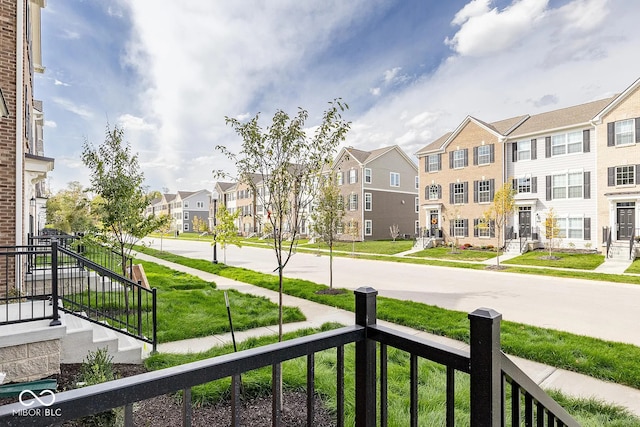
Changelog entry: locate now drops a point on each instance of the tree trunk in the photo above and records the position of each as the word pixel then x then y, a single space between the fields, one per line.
pixel 331 267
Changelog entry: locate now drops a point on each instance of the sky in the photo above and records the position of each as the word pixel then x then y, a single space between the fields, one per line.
pixel 169 72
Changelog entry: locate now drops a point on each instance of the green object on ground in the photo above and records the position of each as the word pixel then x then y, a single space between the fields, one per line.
pixel 10 390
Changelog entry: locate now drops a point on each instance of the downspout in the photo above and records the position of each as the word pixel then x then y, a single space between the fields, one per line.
pixel 361 178
pixel 20 105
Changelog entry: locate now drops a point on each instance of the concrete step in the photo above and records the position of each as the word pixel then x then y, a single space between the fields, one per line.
pixel 83 336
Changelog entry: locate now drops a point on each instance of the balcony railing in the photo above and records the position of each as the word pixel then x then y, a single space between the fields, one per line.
pixel 500 393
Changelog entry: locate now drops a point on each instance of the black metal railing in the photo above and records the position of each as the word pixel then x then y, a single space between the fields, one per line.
pixel 635 232
pixel 490 374
pixel 606 239
pixel 42 279
pixel 95 251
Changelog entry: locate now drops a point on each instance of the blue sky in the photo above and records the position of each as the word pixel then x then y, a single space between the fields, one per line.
pixel 169 72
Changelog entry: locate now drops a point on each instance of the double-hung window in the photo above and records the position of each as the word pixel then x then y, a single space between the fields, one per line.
pixel 458 159
pixel 368 201
pixel 566 143
pixel 368 227
pixel 433 163
pixel 434 192
pixel 394 178
pixel 524 150
pixel 569 185
pixel 570 227
pixel 459 228
pixel 458 193
pixel 624 132
pixel 484 228
pixel 353 176
pixel 367 176
pixel 353 202
pixel 339 178
pixel 484 154
pixel 626 175
pixel 484 191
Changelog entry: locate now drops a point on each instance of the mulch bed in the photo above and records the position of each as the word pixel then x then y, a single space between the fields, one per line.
pixel 166 410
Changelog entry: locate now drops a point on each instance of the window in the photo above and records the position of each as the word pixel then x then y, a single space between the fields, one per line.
pixel 417 204
pixel 340 201
pixel 339 178
pixel 459 227
pixel 367 176
pixel 483 227
pixel 368 227
pixel 353 176
pixel 417 182
pixel 200 204
pixel 340 228
pixel 186 227
pixel 417 228
pixel 523 185
pixel 433 163
pixel 624 132
pixel 524 150
pixel 433 192
pixel 186 216
pixel 395 179
pixel 458 159
pixel 458 193
pixel 570 227
pixel 566 143
pixel 186 204
pixel 368 201
pixel 625 175
pixel 567 185
pixel 484 191
pixel 353 202
pixel 484 154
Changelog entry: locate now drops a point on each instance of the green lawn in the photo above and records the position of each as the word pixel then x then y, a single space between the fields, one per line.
pixel 431 391
pixel 601 359
pixel 189 307
pixel 577 261
pixel 443 252
pixel 385 247
pixel 634 267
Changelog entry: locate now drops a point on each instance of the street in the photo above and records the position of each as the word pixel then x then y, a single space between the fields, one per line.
pixel 599 309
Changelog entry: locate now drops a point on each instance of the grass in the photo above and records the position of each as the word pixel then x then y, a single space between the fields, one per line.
pixel 189 307
pixel 431 391
pixel 634 267
pixel 385 247
pixel 601 359
pixel 443 252
pixel 577 261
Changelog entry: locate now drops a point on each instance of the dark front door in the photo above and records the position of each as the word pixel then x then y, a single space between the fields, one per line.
pixel 433 220
pixel 625 222
pixel 524 219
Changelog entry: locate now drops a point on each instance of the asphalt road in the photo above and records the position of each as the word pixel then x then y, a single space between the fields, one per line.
pixel 604 310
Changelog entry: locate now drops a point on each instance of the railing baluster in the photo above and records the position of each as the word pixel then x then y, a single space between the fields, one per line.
pixel 515 404
pixel 451 396
pixel 413 374
pixel 187 414
pixel 310 388
pixel 235 400
pixel 528 410
pixel 276 395
pixel 128 415
pixel 540 414
pixel 366 359
pixel 340 386
pixel 384 410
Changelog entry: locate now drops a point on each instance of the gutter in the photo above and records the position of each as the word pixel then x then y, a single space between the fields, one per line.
pixel 20 103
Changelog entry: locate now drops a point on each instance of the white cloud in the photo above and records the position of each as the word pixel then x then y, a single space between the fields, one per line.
pixel 584 15
pixel 390 75
pixel 129 122
pixel 375 91
pixel 50 124
pixel 69 105
pixel 70 35
pixel 59 83
pixel 484 32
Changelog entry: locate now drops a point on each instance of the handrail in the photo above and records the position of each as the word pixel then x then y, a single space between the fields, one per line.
pixel 631 242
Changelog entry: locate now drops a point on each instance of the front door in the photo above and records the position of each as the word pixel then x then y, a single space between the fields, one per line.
pixel 626 223
pixel 524 220
pixel 433 222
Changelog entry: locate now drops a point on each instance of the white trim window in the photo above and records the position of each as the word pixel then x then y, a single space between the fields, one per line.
pixel 368 201
pixel 524 150
pixel 566 143
pixel 458 159
pixel 368 227
pixel 484 191
pixel 458 193
pixel 367 176
pixel 417 182
pixel 353 176
pixel 484 155
pixel 458 228
pixel 186 227
pixel 626 175
pixel 624 132
pixel 186 216
pixel 200 205
pixel 567 185
pixel 339 178
pixel 571 227
pixel 394 178
pixel 433 163
pixel 484 228
pixel 353 202
pixel 523 185
pixel 417 204
pixel 434 192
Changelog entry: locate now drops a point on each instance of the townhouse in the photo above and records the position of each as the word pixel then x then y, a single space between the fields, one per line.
pixel 183 208
pixel 379 189
pixel 581 161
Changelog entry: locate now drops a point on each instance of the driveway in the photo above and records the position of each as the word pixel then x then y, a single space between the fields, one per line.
pixel 604 310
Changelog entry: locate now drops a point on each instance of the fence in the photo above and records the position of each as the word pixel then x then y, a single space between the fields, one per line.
pixel 490 372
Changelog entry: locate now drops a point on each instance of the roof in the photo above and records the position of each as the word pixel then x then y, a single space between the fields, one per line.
pixel 562 118
pixel 224 186
pixel 169 197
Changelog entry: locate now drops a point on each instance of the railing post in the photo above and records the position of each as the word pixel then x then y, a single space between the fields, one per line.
pixel 54 283
pixel 154 319
pixel 486 370
pixel 365 359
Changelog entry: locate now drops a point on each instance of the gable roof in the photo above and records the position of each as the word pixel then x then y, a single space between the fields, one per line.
pixel 562 118
pixel 364 157
pixel 224 186
pixel 615 101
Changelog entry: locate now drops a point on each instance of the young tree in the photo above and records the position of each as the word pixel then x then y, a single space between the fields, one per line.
pixel 164 228
pixel 394 231
pixel 327 216
pixel 225 231
pixel 70 210
pixel 501 209
pixel 200 225
pixel 288 161
pixel 552 230
pixel 117 180
pixel 353 230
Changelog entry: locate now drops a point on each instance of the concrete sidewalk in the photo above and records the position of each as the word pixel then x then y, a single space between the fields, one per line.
pixel 548 377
